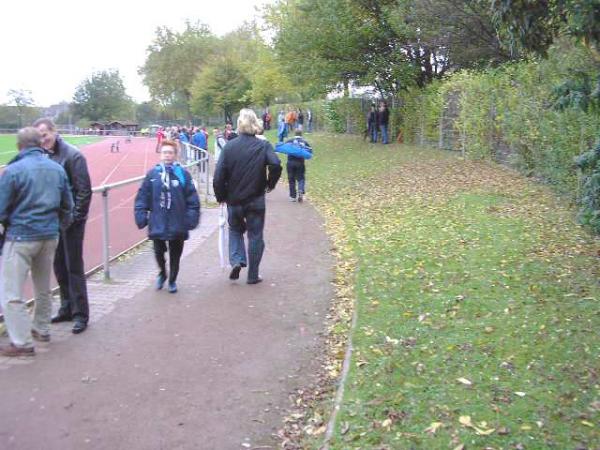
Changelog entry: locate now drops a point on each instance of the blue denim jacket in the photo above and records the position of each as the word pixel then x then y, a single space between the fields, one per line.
pixel 35 198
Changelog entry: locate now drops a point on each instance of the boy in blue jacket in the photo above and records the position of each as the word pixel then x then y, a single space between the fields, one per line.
pixel 168 203
pixel 296 169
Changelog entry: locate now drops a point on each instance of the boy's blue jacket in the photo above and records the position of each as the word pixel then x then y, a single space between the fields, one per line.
pixel 296 148
pixel 183 213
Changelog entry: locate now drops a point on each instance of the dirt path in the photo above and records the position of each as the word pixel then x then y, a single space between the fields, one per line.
pixel 208 368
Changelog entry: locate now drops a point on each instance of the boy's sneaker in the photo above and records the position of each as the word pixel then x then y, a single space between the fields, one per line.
pixel 300 198
pixel 39 336
pixel 160 281
pixel 292 199
pixel 172 287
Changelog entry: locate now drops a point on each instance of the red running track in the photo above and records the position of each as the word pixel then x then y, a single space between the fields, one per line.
pixel 132 160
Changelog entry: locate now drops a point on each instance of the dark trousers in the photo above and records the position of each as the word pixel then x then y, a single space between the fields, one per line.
pixel 70 273
pixel 295 172
pixel 175 251
pixel 248 217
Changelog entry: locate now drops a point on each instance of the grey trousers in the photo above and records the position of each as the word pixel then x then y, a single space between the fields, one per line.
pixel 18 258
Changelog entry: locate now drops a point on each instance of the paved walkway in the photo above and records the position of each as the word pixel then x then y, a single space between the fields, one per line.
pixel 210 367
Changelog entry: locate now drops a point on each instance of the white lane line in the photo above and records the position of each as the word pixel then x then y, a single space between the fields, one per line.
pixel 115 168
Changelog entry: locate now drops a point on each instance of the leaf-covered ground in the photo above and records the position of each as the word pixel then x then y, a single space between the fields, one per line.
pixel 477 298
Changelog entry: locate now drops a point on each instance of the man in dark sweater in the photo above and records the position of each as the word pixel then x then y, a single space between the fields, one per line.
pixel 247 168
pixel 68 261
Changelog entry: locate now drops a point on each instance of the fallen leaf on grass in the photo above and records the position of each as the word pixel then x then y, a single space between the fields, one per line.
pixel 464 381
pixel 345 428
pixel 482 430
pixel 466 421
pixel 434 427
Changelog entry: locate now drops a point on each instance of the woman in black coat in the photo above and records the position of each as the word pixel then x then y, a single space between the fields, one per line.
pixel 168 203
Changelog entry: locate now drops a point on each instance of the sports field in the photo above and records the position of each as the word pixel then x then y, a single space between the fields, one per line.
pixel 8 144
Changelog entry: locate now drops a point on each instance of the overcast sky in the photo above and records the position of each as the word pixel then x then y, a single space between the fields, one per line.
pixel 49 47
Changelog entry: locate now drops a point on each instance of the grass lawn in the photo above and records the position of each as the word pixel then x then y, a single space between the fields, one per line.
pixel 8 143
pixel 477 302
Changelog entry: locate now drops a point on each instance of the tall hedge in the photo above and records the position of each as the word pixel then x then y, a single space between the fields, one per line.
pixel 509 114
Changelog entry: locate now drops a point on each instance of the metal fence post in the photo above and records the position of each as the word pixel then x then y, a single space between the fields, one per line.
pixel 106 252
pixel 207 176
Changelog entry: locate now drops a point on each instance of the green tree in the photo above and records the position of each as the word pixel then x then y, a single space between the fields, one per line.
pixel 22 99
pixel 267 79
pixel 147 113
pixel 173 62
pixel 102 96
pixel 535 24
pixel 390 44
pixel 222 86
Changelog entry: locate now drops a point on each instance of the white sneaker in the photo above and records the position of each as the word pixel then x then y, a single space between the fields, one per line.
pixel 292 199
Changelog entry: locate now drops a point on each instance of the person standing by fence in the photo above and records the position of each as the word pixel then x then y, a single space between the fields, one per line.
pixel 69 268
pixel 247 168
pixel 384 121
pixel 373 123
pixel 35 201
pixel 168 204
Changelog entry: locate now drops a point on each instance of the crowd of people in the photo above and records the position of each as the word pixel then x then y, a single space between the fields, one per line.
pixel 293 119
pixel 45 195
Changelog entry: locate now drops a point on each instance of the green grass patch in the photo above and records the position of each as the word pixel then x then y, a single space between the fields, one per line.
pixel 8 144
pixel 477 302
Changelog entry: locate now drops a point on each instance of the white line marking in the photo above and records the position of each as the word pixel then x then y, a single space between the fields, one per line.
pixel 115 168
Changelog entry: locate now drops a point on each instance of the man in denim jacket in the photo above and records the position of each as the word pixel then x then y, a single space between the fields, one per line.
pixel 35 202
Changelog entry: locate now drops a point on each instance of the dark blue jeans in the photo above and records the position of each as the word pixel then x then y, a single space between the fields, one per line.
pixel 249 217
pixel 384 134
pixel 296 171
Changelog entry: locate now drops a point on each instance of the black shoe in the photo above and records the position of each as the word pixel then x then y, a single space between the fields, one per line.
pixel 79 326
pixel 255 281
pixel 235 272
pixel 61 318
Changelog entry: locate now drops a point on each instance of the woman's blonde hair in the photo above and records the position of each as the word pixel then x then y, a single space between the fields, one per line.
pixel 247 122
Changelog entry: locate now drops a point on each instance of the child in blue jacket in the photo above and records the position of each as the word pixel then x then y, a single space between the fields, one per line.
pixel 168 203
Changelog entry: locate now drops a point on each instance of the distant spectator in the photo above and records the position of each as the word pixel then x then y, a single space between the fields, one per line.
pixel 199 139
pixel 220 143
pixel 282 128
pixel 309 119
pixel 183 136
pixel 300 120
pixel 266 118
pixel 229 133
pixel 35 201
pixel 373 123
pixel 384 120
